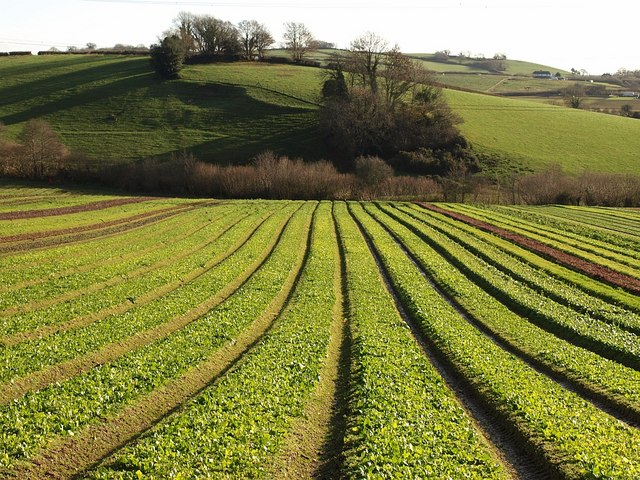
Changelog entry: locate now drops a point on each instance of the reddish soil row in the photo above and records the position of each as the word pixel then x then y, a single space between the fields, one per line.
pixel 591 269
pixel 50 212
pixel 79 234
pixel 94 226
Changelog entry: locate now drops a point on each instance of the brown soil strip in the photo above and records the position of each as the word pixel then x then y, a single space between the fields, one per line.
pixel 314 444
pixel 95 287
pixel 101 225
pixel 109 260
pixel 108 353
pixel 70 457
pixel 87 207
pixel 35 240
pixel 514 454
pixel 119 309
pixel 591 269
pixel 615 405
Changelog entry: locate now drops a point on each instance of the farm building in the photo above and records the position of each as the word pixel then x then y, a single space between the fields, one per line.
pixel 542 74
pixel 628 94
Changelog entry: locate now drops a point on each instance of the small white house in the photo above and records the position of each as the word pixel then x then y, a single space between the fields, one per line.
pixel 542 74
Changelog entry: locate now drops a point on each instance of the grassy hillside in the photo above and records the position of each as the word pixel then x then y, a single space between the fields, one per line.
pixel 115 108
pixel 470 65
pixel 537 134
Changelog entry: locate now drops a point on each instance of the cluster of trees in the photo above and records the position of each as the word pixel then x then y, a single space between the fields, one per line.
pixel 36 154
pixel 379 102
pixel 208 35
pixel 205 37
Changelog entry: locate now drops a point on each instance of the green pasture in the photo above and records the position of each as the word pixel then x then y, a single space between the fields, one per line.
pixel 115 108
pixel 470 65
pixel 537 134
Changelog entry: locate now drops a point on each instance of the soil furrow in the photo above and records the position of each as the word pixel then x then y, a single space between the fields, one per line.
pixel 112 258
pixel 73 456
pixel 513 453
pixel 591 269
pixel 314 445
pixel 505 268
pixel 79 234
pixel 98 286
pixel 59 372
pixel 624 412
pixel 87 207
pixel 126 305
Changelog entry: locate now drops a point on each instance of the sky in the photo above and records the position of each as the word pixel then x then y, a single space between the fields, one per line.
pixel 563 34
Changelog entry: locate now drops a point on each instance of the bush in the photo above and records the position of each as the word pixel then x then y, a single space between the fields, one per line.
pixel 167 58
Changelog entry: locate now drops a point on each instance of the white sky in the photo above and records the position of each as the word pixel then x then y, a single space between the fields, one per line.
pixel 599 37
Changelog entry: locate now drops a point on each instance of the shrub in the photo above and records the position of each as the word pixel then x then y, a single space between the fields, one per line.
pixel 167 58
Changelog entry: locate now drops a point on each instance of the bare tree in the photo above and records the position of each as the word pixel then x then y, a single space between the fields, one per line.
pixel 367 51
pixel 254 38
pixel 298 40
pixel 184 29
pixel 41 152
pixel 263 39
pixel 400 75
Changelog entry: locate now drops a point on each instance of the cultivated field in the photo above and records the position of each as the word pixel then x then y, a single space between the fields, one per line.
pixel 190 338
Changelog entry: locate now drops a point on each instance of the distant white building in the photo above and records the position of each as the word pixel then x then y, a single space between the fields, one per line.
pixel 628 94
pixel 542 74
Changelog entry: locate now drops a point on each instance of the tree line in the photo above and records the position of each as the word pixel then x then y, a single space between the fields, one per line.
pixel 205 36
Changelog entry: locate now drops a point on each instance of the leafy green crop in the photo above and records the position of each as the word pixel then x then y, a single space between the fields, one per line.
pixel 403 420
pixel 573 437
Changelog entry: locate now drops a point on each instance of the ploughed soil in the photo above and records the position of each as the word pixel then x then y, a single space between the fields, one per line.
pixel 591 269
pixel 50 212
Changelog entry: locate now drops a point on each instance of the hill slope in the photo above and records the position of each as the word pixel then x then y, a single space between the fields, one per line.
pixel 115 108
pixel 536 134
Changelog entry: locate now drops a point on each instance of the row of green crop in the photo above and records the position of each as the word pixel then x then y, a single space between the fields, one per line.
pixel 574 438
pixel 618 262
pixel 547 216
pixel 44 203
pixel 601 377
pixel 11 191
pixel 169 248
pixel 67 408
pixel 623 221
pixel 232 254
pixel 629 253
pixel 84 219
pixel 588 285
pixel 403 421
pixel 235 428
pixel 535 278
pixel 605 339
pixel 131 292
pixel 36 266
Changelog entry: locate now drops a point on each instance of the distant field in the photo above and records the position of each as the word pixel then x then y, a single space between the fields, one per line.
pixel 114 108
pixel 455 64
pixel 538 134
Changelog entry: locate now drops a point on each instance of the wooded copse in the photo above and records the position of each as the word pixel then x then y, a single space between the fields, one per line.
pixel 378 101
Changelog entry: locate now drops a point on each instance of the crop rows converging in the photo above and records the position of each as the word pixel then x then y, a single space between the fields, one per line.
pixel 190 338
